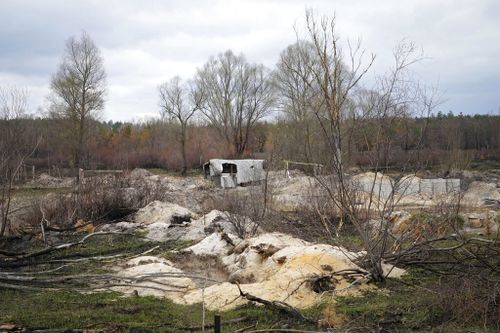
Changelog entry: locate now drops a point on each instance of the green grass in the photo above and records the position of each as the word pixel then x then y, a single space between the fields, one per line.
pixel 113 311
pixel 417 303
pixel 390 309
pixel 104 245
pixel 352 242
pixel 420 302
pixel 395 307
pixel 70 310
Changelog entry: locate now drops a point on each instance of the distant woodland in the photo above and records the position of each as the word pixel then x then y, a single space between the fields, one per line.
pixel 448 142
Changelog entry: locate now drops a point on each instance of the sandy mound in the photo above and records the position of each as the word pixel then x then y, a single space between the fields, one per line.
pixel 282 276
pixel 481 194
pixel 164 220
pixel 163 212
pixel 153 276
pixel 192 192
pixel 292 193
pixel 139 173
pixel 216 220
pixel 217 244
pixel 273 266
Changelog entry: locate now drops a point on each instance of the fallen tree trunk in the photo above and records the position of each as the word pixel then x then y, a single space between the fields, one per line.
pixel 276 306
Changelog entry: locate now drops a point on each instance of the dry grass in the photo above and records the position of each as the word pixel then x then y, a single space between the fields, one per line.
pixel 99 199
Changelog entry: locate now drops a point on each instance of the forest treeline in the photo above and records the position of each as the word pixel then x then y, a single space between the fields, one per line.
pixel 449 142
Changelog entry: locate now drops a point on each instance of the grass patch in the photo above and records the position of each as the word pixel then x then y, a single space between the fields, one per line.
pixel 424 302
pixel 100 246
pixel 70 310
pixel 388 309
pixel 112 311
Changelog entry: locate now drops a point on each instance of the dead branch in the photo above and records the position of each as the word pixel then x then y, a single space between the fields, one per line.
pixel 276 306
pixel 324 283
pixel 14 328
pixel 97 277
pixel 69 245
pixel 45 281
pixel 11 254
pixel 244 329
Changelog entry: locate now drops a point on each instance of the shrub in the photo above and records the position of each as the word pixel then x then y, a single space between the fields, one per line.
pixel 98 199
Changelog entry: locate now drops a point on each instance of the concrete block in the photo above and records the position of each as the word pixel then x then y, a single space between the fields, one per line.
pixel 409 186
pixel 453 185
pixel 426 186
pixel 438 185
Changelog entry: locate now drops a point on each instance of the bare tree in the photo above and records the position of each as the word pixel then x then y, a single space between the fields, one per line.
pixel 15 145
pixel 294 81
pixel 337 78
pixel 79 87
pixel 396 99
pixel 238 95
pixel 180 101
pixel 373 115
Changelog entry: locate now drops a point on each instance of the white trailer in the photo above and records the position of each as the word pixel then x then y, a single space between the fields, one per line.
pixel 232 173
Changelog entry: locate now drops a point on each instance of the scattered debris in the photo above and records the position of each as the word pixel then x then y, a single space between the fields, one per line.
pixel 47 181
pixel 482 223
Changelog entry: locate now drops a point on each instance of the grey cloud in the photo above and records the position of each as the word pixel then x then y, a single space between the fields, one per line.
pixel 146 42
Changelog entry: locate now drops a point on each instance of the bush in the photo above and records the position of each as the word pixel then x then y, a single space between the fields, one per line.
pixel 98 199
pixel 469 300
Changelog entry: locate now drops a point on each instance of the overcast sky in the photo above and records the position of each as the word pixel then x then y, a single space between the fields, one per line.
pixel 146 42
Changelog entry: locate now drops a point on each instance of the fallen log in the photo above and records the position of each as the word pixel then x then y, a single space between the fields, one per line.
pixel 276 305
pixel 50 249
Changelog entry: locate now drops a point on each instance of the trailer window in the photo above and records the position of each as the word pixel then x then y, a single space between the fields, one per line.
pixel 229 168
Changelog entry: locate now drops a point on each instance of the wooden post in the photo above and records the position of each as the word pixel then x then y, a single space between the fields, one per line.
pixel 217 325
pixel 33 172
pixel 43 232
pixel 80 176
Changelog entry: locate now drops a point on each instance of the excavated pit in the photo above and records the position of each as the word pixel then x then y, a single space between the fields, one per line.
pixel 208 266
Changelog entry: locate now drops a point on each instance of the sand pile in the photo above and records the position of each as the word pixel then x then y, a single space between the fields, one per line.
pixel 272 266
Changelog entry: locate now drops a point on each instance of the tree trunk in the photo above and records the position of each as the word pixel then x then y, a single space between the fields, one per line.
pixel 183 148
pixel 6 204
